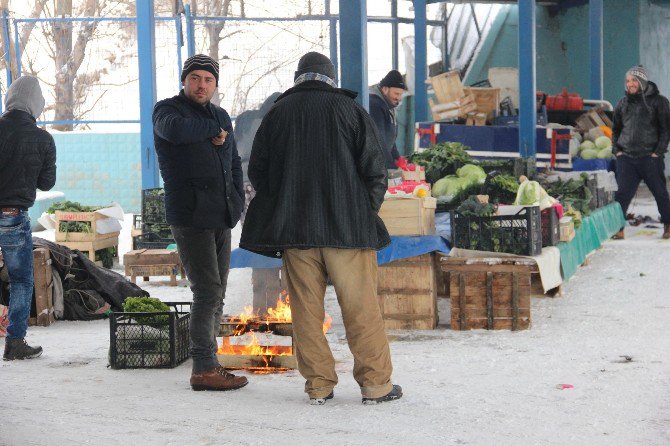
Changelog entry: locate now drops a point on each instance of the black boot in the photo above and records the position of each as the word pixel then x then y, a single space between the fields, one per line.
pixel 19 349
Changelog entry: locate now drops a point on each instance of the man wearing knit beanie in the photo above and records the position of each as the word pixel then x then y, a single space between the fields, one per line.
pixel 640 138
pixel 204 197
pixel 318 171
pixel 384 98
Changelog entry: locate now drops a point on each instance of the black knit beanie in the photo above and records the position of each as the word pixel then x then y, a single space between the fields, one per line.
pixel 393 79
pixel 314 62
pixel 200 62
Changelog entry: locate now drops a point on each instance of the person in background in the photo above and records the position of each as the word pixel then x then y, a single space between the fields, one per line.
pixel 640 138
pixel 384 98
pixel 204 198
pixel 27 163
pixel 318 170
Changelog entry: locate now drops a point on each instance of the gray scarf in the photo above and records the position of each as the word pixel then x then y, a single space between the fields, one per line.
pixel 315 77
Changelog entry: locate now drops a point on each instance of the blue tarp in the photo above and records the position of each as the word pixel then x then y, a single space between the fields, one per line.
pixel 401 247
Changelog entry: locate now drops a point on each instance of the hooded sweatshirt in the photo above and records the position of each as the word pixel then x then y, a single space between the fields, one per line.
pixel 27 153
pixel 642 123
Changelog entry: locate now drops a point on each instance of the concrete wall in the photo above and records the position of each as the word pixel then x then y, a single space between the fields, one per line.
pixel 98 168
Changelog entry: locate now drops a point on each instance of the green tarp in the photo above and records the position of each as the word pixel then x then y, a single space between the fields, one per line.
pixel 602 224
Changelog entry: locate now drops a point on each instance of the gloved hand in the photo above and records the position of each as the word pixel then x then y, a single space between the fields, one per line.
pixel 401 163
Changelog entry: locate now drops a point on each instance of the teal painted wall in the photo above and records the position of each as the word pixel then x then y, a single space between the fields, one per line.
pixel 98 168
pixel 563 50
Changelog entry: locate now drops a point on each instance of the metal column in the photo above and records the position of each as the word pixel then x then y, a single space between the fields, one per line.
pixel 596 48
pixel 394 34
pixel 333 39
pixel 420 63
pixel 354 48
pixel 190 36
pixel 147 74
pixel 527 107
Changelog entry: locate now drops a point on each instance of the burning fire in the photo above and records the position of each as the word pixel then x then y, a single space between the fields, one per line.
pixel 281 313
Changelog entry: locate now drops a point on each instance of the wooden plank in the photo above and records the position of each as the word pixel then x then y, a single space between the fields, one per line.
pixel 462 302
pixel 515 301
pixel 427 323
pixel 254 361
pixel 489 299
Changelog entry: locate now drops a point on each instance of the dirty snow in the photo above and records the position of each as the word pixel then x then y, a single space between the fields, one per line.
pixel 462 388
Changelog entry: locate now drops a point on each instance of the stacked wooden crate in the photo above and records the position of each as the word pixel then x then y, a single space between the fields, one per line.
pixel 409 216
pixel 452 101
pixel 87 242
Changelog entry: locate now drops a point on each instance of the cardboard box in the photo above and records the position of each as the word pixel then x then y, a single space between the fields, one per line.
pixel 409 216
pixel 566 229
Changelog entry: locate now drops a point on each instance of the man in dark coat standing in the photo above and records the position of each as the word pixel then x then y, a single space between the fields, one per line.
pixel 27 163
pixel 384 98
pixel 203 200
pixel 319 174
pixel 640 140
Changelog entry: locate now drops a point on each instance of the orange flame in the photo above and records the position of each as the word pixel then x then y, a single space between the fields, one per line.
pixel 282 311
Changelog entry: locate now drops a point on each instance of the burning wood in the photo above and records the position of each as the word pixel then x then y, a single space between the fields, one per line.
pixel 253 356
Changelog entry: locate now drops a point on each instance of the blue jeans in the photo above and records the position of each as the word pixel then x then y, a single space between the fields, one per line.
pixel 16 241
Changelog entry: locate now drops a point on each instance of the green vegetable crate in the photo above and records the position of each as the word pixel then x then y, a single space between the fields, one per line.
pixel 148 340
pixel 550 227
pixel 519 233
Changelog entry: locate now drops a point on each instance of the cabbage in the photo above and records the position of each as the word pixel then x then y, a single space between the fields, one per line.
pixel 529 193
pixel 589 154
pixel 605 153
pixel 475 173
pixel 603 142
pixel 449 186
pixel 578 136
pixel 574 147
pixel 587 145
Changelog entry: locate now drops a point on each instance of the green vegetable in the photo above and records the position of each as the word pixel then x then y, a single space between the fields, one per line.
pixel 574 147
pixel 589 154
pixel 605 153
pixel 529 193
pixel 471 207
pixel 147 305
pixel 441 159
pixel 475 173
pixel 450 186
pixel 70 206
pixel 603 142
pixel 502 189
pixel 587 145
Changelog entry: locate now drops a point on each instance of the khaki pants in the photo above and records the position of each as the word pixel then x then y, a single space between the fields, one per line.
pixel 354 275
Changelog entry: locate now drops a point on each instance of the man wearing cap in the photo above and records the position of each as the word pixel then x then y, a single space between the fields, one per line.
pixel 27 163
pixel 202 173
pixel 384 98
pixel 318 170
pixel 640 140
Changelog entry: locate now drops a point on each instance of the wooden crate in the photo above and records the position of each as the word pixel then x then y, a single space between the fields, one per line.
pixel 452 110
pixel 490 293
pixel 447 86
pixel 407 293
pixel 91 247
pixel 487 100
pixel 409 216
pixel 414 175
pixel 43 289
pixel 91 217
pixel 146 263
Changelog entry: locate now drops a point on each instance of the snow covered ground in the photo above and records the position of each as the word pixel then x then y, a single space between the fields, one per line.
pixel 462 388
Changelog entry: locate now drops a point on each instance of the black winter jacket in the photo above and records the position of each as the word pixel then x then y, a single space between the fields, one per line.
pixel 384 119
pixel 318 170
pixel 642 124
pixel 27 159
pixel 203 182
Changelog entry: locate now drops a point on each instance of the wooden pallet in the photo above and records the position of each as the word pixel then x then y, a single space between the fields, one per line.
pixel 148 263
pixel 489 293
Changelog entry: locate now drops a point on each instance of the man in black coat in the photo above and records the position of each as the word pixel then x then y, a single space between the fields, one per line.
pixel 27 163
pixel 203 200
pixel 640 140
pixel 319 174
pixel 384 98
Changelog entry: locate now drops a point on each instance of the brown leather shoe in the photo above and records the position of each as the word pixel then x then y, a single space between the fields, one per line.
pixel 217 379
pixel 618 236
pixel 666 231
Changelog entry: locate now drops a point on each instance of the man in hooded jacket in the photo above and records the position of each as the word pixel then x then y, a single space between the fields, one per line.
pixel 640 138
pixel 27 163
pixel 319 174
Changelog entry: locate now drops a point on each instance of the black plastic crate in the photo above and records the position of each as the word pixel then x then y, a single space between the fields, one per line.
pixel 550 230
pixel 604 197
pixel 150 340
pixel 519 234
pixel 153 206
pixel 151 241
pixel 592 184
pixel 161 230
pixel 137 221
